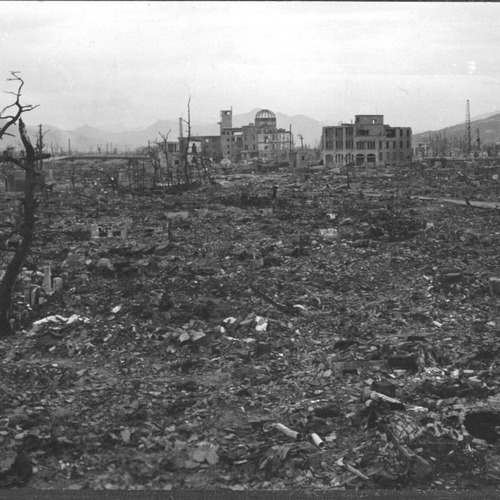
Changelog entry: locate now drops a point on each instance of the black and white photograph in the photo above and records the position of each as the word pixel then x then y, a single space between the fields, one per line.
pixel 249 249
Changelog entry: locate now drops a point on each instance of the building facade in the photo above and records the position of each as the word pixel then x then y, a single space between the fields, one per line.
pixel 260 140
pixel 263 139
pixel 305 157
pixel 210 147
pixel 230 137
pixel 194 148
pixel 367 141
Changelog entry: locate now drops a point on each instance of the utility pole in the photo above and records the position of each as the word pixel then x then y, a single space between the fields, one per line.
pixel 468 144
pixel 301 137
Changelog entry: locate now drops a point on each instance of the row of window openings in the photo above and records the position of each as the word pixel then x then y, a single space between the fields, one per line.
pixel 367 145
pixel 389 133
pixel 349 131
pixel 330 133
pixel 371 145
pixel 244 147
pixel 339 145
pixel 388 156
pixel 274 147
pixel 266 140
pixel 273 137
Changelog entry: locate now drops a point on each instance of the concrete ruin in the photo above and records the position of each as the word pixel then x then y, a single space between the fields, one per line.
pixel 111 228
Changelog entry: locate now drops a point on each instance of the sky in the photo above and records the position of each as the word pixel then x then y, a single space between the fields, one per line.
pixel 125 65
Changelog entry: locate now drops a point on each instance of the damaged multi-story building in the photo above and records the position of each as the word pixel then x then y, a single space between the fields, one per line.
pixel 210 147
pixel 230 137
pixel 367 141
pixel 259 140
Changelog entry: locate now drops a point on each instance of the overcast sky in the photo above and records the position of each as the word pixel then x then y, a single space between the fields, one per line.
pixel 127 64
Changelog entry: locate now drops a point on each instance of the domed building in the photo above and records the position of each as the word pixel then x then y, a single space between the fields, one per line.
pixel 262 139
pixel 265 119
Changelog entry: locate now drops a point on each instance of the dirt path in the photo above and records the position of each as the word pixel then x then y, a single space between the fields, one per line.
pixel 471 203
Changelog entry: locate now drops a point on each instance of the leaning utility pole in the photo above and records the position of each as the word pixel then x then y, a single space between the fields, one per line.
pixel 468 142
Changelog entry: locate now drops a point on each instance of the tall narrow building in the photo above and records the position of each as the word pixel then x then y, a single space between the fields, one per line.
pixel 230 137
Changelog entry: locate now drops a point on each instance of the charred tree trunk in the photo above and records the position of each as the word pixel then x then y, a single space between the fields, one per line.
pixel 26 231
pixel 164 148
pixel 187 177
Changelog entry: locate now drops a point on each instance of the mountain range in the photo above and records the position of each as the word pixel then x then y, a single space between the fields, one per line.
pixel 488 126
pixel 89 139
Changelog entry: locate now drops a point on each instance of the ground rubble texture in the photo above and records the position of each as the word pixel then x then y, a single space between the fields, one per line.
pixel 339 336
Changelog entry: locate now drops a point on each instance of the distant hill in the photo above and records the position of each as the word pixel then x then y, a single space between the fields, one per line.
pixel 489 130
pixel 309 128
pixel 87 138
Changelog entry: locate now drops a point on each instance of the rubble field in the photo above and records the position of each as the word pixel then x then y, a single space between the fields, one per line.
pixel 338 332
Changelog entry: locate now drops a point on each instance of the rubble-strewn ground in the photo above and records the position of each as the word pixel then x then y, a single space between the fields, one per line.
pixel 364 315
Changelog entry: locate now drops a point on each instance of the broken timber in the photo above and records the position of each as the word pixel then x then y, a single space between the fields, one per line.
pixel 417 467
pixel 284 309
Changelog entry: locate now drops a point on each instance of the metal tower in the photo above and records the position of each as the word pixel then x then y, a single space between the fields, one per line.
pixel 468 142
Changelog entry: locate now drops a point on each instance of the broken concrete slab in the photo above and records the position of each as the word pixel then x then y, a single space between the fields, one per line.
pixel 341 367
pixel 177 215
pixel 111 227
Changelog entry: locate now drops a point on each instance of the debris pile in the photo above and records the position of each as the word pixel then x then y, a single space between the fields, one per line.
pixel 265 332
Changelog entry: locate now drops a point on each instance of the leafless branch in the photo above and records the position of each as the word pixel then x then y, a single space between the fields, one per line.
pixel 20 109
pixel 30 151
pixel 165 136
pixel 10 159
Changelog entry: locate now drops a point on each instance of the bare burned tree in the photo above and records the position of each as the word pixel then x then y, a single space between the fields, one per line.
pixel 47 188
pixel 152 152
pixel 163 145
pixel 10 116
pixel 40 143
pixel 185 151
